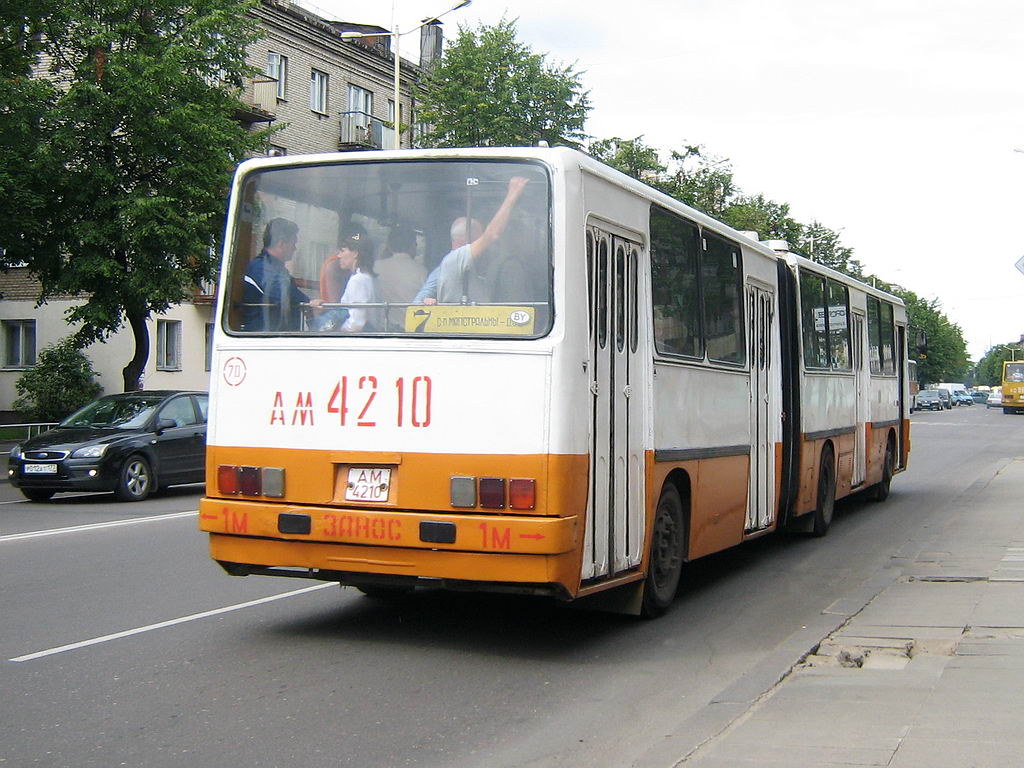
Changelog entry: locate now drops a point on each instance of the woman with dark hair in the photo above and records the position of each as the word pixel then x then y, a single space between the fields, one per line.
pixel 356 257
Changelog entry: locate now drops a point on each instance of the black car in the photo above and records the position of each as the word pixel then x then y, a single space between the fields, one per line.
pixel 131 444
pixel 929 400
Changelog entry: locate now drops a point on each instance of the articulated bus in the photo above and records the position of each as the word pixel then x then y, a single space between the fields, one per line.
pixel 1012 387
pixel 609 385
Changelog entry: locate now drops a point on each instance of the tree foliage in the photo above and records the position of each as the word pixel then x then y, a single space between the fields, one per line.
pixel 989 370
pixel 821 244
pixel 944 357
pixel 61 382
pixel 491 90
pixel 129 139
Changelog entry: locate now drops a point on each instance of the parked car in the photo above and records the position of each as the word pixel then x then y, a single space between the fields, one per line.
pixel 131 443
pixel 962 397
pixel 995 399
pixel 930 400
pixel 947 399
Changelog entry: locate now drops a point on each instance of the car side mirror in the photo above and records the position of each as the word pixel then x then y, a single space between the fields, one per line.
pixel 164 424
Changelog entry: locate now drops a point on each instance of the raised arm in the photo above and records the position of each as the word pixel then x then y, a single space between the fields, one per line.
pixel 497 225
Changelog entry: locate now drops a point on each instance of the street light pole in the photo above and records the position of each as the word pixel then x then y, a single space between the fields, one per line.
pixel 396 35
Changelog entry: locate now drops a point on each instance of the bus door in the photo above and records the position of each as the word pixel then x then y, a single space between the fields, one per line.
pixel 761 490
pixel 860 373
pixel 615 509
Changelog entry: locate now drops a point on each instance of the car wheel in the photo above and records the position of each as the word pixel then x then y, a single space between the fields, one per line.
pixel 136 480
pixel 668 547
pixel 826 493
pixel 37 494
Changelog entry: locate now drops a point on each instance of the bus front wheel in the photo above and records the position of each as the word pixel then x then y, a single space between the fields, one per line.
pixel 668 546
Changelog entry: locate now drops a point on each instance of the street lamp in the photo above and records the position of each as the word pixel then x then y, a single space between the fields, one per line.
pixel 395 34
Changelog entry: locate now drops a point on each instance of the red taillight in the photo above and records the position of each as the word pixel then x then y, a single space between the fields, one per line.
pixel 249 481
pixel 522 493
pixel 492 492
pixel 227 479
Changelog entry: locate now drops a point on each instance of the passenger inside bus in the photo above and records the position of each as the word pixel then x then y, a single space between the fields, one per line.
pixel 399 274
pixel 356 256
pixel 271 299
pixel 461 277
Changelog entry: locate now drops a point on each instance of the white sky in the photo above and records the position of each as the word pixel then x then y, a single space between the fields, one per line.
pixel 893 121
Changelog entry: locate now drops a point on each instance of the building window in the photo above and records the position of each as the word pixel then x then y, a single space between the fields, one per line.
pixel 209 346
pixel 277 68
pixel 273 150
pixel 318 91
pixel 19 343
pixel 360 101
pixel 168 345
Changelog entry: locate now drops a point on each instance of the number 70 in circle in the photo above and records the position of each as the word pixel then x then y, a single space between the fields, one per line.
pixel 358 398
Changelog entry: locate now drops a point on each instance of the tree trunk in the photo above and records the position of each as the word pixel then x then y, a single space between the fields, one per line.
pixel 132 372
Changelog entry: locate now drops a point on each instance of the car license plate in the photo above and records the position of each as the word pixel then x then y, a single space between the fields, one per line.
pixel 368 484
pixel 40 469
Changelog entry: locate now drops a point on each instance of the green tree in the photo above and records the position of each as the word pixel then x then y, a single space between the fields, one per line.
pixel 700 180
pixel 989 370
pixel 491 90
pixel 631 156
pixel 821 244
pixel 769 219
pixel 945 356
pixel 119 197
pixel 62 381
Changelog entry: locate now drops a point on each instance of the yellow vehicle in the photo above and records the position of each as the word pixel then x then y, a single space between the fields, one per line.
pixel 1013 386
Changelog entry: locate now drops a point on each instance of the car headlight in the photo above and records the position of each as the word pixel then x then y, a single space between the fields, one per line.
pixel 90 452
pixel 16 451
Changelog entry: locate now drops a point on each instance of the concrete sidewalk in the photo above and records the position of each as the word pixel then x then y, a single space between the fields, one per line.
pixel 928 672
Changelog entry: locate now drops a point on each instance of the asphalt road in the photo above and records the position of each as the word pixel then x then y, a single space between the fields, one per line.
pixel 121 643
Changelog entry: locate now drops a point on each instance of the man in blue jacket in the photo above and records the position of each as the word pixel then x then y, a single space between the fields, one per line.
pixel 272 301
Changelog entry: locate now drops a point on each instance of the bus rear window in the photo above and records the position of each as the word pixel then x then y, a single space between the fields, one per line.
pixel 422 248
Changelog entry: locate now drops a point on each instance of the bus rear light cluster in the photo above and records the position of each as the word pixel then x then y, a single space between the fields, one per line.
pixel 490 492
pixel 233 480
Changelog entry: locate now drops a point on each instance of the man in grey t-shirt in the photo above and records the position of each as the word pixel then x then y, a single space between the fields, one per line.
pixel 458 279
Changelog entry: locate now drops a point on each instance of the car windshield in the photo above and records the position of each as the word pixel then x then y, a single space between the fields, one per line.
pixel 356 248
pixel 118 412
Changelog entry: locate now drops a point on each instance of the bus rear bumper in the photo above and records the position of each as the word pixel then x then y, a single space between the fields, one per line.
pixel 539 554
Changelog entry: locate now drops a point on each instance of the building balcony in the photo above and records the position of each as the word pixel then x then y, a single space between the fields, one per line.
pixel 362 131
pixel 259 99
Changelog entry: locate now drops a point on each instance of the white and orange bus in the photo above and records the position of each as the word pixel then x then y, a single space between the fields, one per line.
pixel 620 385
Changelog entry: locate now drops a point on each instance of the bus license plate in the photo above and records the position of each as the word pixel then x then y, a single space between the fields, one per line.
pixel 368 484
pixel 40 469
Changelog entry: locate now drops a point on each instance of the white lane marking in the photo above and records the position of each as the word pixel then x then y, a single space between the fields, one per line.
pixel 169 623
pixel 96 526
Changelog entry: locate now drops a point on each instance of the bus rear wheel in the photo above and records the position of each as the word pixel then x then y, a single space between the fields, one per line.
pixel 826 493
pixel 665 564
pixel 880 492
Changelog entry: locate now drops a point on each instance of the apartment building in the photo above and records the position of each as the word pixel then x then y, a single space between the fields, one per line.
pixel 327 93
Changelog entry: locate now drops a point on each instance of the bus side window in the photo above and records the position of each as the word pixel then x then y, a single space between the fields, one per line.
pixel 675 264
pixel 721 278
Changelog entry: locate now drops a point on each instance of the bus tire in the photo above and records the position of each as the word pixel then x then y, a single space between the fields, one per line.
pixel 384 591
pixel 668 547
pixel 880 491
pixel 826 493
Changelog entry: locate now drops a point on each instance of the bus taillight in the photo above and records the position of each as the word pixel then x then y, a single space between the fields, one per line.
pixel 227 479
pixel 522 493
pixel 233 480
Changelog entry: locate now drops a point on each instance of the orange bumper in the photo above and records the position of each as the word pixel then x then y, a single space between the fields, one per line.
pixel 499 548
